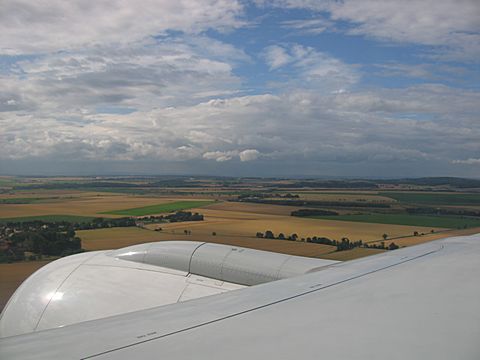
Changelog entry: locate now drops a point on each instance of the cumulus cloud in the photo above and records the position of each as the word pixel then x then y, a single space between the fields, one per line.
pixel 249 155
pixel 49 26
pixel 165 72
pixel 422 124
pixel 219 156
pixel 125 82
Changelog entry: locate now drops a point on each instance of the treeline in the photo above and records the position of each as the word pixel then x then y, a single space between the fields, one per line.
pixel 179 216
pixel 267 195
pixel 438 211
pixel 334 184
pixel 313 212
pixel 316 203
pixel 100 223
pixel 94 223
pixel 342 245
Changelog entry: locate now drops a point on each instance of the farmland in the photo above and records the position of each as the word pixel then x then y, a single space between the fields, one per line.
pixel 48 218
pixel 113 238
pixel 435 198
pixel 450 222
pixel 235 211
pixel 247 224
pixel 160 208
pixel 84 204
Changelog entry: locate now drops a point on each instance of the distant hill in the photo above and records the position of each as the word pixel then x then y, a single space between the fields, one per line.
pixel 435 181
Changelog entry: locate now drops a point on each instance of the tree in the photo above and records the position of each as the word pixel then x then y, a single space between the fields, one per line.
pixel 393 246
pixel 259 234
pixel 281 236
pixel 269 235
pixel 415 233
pixel 214 233
pixel 384 236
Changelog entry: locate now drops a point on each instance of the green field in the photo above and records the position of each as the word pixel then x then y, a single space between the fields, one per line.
pixel 434 198
pixel 160 208
pixel 49 218
pixel 450 222
pixel 17 201
pixel 27 200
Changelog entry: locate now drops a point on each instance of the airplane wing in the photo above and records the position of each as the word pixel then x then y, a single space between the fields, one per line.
pixel 420 302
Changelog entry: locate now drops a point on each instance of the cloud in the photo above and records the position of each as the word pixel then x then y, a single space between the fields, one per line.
pixel 165 72
pixel 310 26
pixel 219 156
pixel 276 56
pixel 420 125
pixel 310 68
pixel 452 27
pixel 28 27
pixel 115 83
pixel 470 161
pixel 249 155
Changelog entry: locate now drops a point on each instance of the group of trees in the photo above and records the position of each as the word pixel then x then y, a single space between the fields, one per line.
pixel 40 239
pixel 270 235
pixel 381 245
pixel 316 203
pixel 343 244
pixel 100 223
pixel 58 238
pixel 440 211
pixel 178 216
pixel 313 212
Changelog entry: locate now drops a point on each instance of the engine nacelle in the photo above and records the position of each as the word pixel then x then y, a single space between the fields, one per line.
pixel 98 284
pixel 222 262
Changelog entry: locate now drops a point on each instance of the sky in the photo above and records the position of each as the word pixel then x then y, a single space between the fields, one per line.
pixel 291 88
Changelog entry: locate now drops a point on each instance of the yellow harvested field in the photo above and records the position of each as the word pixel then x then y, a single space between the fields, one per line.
pixel 114 238
pixel 415 240
pixel 234 223
pixel 351 254
pixel 12 275
pixel 103 239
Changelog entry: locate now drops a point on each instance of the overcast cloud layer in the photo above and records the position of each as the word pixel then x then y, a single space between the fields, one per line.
pixel 280 88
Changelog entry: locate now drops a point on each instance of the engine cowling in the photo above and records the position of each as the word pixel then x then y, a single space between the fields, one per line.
pixel 98 284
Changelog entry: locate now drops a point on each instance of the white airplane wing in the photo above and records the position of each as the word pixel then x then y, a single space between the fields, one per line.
pixel 421 302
